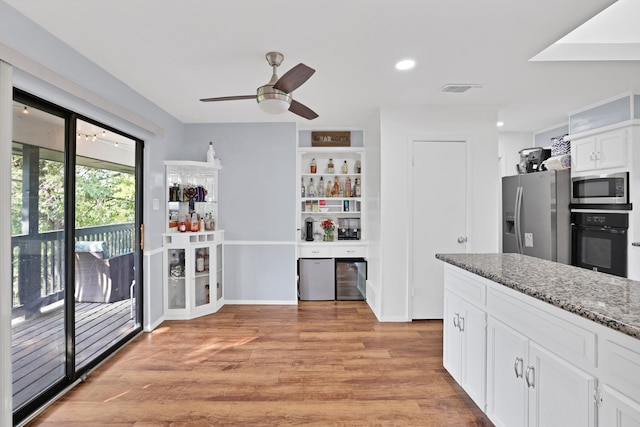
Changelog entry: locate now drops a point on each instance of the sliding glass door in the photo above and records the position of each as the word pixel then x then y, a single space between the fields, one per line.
pixel 75 218
pixel 38 262
pixel 105 209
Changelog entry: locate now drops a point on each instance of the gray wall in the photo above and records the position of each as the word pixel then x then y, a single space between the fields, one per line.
pixel 257 188
pixel 20 34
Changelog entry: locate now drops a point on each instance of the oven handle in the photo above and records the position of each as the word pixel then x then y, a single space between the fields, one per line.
pixel 610 230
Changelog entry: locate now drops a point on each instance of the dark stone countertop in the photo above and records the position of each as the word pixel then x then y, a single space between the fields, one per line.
pixel 603 298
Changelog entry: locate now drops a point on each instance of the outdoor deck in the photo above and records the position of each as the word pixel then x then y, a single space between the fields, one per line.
pixel 38 345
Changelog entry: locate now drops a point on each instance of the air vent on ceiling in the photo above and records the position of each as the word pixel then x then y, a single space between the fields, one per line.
pixel 459 88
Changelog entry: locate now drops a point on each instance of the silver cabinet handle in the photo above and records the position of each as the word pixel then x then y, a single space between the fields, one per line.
pixel 461 324
pixel 530 376
pixel 315 251
pixel 517 367
pixel 462 239
pixel 592 156
pixel 456 320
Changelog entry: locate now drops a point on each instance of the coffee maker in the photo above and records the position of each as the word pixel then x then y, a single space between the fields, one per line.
pixel 308 229
pixel 348 228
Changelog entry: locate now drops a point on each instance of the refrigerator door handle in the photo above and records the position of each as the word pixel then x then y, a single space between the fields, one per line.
pixel 518 223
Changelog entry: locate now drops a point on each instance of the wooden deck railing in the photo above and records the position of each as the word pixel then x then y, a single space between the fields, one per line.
pixel 37 273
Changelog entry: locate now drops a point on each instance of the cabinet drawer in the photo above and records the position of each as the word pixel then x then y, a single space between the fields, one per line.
pixel 466 285
pixel 621 367
pixel 566 339
pixel 315 252
pixel 349 251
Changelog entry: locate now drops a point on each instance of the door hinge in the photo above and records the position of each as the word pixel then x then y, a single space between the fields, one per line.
pixel 597 397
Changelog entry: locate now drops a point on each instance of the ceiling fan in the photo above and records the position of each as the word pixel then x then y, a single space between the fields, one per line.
pixel 275 97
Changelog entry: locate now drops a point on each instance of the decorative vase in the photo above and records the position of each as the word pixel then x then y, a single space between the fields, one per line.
pixel 328 236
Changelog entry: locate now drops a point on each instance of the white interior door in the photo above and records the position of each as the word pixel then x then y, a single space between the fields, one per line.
pixel 438 187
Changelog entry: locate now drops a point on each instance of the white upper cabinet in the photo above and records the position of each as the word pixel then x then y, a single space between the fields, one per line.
pixel 608 150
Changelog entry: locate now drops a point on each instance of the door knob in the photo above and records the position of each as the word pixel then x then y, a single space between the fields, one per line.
pixel 462 240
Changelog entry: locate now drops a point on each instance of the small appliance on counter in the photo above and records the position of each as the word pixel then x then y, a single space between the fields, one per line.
pixel 348 228
pixel 531 159
pixel 308 229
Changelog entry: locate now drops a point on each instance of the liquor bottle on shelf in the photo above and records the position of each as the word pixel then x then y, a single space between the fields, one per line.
pixel 336 188
pixel 329 189
pixel 200 261
pixel 345 167
pixel 312 166
pixel 356 189
pixel 195 223
pixel 321 188
pixel 302 189
pixel 312 188
pixel 330 166
pixel 347 188
pixel 358 166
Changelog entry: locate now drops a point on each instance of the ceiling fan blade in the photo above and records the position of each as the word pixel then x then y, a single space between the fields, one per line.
pixel 302 110
pixel 228 98
pixel 292 79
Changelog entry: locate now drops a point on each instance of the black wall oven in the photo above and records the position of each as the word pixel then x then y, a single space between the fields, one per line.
pixel 599 241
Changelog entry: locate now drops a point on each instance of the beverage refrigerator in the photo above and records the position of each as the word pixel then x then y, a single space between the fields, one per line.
pixel 351 279
pixel 316 279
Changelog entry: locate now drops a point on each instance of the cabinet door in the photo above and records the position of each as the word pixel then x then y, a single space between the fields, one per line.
pixel 559 393
pixel 506 362
pixel 611 150
pixel 618 410
pixel 583 154
pixel 473 326
pixel 452 351
pixel 175 279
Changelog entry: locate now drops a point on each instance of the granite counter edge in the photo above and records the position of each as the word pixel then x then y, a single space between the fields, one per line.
pixel 579 310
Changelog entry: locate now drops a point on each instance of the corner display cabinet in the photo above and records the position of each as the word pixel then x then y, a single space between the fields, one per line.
pixel 192 246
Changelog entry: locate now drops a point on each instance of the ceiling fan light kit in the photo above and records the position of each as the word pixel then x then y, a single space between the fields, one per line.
pixel 273 101
pixel 275 97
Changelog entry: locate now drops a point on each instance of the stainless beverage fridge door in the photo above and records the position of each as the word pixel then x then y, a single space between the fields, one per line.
pixel 351 279
pixel 317 279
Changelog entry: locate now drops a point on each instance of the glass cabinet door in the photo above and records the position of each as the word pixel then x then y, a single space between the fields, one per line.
pixel 202 276
pixel 218 272
pixel 177 288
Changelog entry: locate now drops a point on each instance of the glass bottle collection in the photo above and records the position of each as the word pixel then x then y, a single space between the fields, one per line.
pixel 191 220
pixel 340 187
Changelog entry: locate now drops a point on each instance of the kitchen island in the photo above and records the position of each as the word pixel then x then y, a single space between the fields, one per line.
pixel 534 342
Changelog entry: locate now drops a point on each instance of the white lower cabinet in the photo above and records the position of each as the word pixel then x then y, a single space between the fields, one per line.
pixel 465 346
pixel 528 363
pixel 528 385
pixel 617 410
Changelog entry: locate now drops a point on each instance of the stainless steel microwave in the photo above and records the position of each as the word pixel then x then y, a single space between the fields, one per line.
pixel 609 189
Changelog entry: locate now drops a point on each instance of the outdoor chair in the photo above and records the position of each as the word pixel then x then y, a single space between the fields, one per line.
pixel 100 278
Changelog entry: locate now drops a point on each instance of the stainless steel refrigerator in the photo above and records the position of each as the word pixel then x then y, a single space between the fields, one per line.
pixel 536 215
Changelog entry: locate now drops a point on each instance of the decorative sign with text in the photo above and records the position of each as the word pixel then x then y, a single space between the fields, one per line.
pixel 330 139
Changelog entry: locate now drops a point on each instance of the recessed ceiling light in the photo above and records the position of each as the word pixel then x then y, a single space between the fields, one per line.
pixel 405 64
pixel 500 124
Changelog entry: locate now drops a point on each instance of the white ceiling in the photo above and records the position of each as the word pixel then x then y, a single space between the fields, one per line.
pixel 175 52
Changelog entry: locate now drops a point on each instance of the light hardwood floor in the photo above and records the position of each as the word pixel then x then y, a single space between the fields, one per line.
pixel 318 363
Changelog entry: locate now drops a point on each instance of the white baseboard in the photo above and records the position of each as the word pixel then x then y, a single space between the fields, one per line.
pixel 151 327
pixel 261 302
